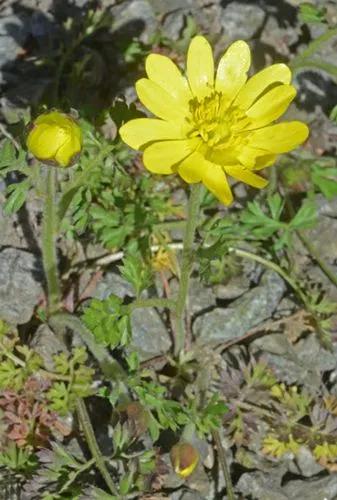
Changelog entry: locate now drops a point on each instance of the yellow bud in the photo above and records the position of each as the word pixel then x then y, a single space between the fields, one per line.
pixel 184 459
pixel 55 137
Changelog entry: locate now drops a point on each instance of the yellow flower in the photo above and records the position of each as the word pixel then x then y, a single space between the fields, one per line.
pixel 184 458
pixel 165 259
pixel 211 126
pixel 55 137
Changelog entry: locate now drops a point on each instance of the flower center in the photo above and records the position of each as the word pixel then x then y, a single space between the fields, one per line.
pixel 215 120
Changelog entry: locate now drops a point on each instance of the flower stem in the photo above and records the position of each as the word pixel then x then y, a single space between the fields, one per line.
pixel 186 267
pixel 76 473
pixel 155 302
pixel 312 250
pixel 224 466
pixel 274 267
pixel 93 446
pixel 315 45
pixel 49 232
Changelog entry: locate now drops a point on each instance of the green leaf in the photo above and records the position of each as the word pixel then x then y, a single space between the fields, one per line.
pixel 325 179
pixel 107 322
pixel 17 196
pixel 126 483
pixel 18 459
pixel 133 361
pixel 306 217
pixel 311 14
pixel 7 154
pixel 136 272
pixel 98 494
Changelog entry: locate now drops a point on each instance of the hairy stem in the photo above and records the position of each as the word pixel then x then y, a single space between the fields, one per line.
pixel 306 63
pixel 49 234
pixel 274 267
pixel 186 267
pixel 156 302
pixel 312 250
pixel 85 422
pixel 76 473
pixel 315 45
pixel 224 465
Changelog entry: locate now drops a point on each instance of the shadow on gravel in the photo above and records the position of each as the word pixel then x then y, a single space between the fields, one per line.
pixel 60 61
pixel 284 13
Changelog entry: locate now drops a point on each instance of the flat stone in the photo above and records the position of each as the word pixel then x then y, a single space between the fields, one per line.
pixel 254 307
pixel 113 284
pixel 322 489
pixel 149 334
pixel 164 6
pixel 47 345
pixel 306 465
pixel 20 285
pixel 259 486
pixel 173 25
pixel 13 33
pixel 134 18
pixel 241 20
pixel 301 363
pixel 200 297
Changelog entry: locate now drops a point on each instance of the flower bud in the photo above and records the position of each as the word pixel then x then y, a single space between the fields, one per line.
pixel 55 137
pixel 137 417
pixel 184 459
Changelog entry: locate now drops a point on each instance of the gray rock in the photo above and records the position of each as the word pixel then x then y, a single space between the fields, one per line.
pixel 150 337
pixel 173 25
pixel 200 296
pixel 236 286
pixel 279 37
pixel 20 285
pixel 113 283
pixel 165 6
pixel 259 486
pixel 305 464
pixel 134 18
pixel 301 363
pixel 46 344
pixel 321 489
pixel 191 495
pixel 9 235
pixel 252 308
pixel 13 33
pixel 241 20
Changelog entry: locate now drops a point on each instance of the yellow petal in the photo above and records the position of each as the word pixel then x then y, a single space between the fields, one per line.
pixel 55 118
pixel 137 133
pixel 246 176
pixel 160 157
pixel 279 138
pixel 44 140
pixel 158 101
pixel 232 69
pixel 161 70
pixel 192 168
pixel 200 67
pixel 67 151
pixel 265 161
pixel 276 73
pixel 271 105
pixel 216 181
pixel 247 156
